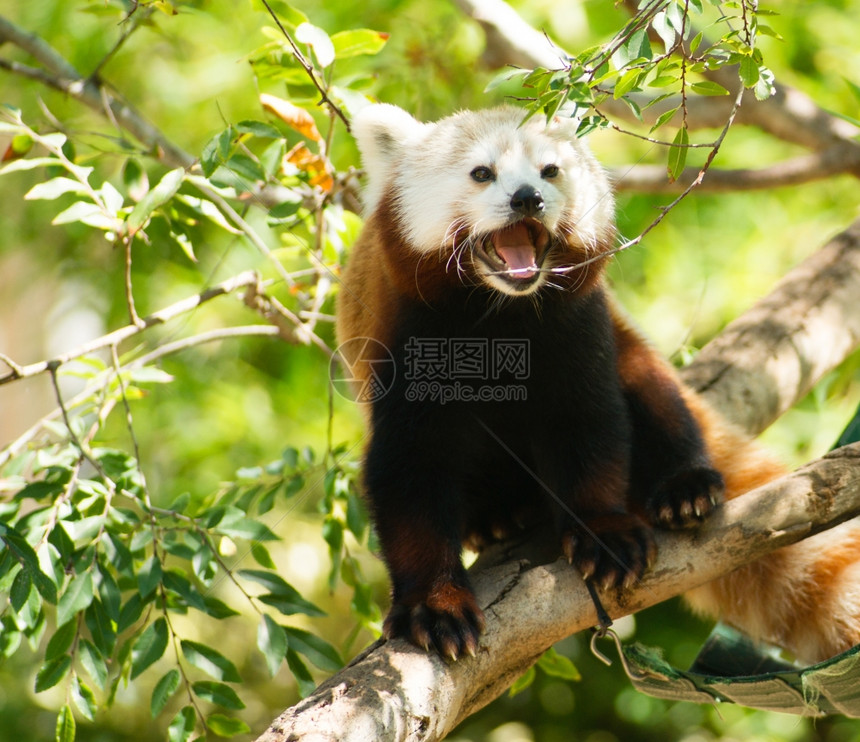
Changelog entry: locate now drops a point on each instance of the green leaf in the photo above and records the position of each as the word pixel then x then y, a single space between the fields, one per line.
pixel 853 87
pixel 149 576
pixel 77 597
pixel 149 647
pixel 177 583
pixel 84 699
pixel 20 590
pixel 54 188
pixel 258 129
pixel 707 87
pixel 748 70
pixel 628 81
pixel 210 661
pixel 109 593
pixel 291 606
pixel 637 47
pixel 558 666
pixel 664 117
pixel 158 196
pixel 245 168
pixel 90 214
pixel 135 179
pixel 317 650
pixel 660 23
pixel 285 210
pixel 218 608
pixel 182 726
pixel 24 553
pixel 163 690
pixel 91 660
pixel 678 154
pixel 262 556
pixel 65 730
pixel 522 682
pixel 101 628
pixel 130 612
pixel 52 673
pixel 246 528
pixel 61 641
pixel 218 693
pixel 357 42
pixel 272 642
pixel 216 151
pixel 226 726
pixel 301 674
pixel 319 41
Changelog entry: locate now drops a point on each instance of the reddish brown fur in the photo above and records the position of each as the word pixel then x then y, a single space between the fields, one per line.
pixel 798 597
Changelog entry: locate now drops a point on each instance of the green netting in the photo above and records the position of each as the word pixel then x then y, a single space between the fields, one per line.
pixel 731 668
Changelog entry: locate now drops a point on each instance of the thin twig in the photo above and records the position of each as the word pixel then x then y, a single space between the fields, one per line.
pixel 308 68
pixel 242 280
pixel 105 378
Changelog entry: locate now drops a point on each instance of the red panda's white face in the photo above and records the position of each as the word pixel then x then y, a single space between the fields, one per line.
pixel 509 203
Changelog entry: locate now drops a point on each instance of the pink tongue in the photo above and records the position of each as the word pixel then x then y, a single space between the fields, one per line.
pixel 515 247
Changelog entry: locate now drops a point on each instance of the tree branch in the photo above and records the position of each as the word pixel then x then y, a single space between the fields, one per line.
pixel 64 77
pixel 789 115
pixel 770 357
pixel 842 158
pixel 398 692
pixel 95 94
pixel 245 279
pixel 751 373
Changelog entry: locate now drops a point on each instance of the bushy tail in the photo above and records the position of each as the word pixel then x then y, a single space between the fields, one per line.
pixel 804 597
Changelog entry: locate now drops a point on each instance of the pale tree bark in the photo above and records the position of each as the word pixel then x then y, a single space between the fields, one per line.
pixel 789 115
pixel 754 371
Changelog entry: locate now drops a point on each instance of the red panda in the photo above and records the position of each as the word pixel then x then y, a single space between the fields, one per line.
pixel 479 272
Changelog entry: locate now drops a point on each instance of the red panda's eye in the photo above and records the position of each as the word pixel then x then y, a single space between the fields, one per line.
pixel 549 171
pixel 482 174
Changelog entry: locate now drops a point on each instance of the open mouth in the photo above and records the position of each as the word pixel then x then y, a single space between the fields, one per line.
pixel 515 252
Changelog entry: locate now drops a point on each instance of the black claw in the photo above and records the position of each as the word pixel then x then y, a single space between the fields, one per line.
pixel 686 499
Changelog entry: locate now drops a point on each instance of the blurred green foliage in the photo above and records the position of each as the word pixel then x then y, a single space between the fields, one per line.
pixel 242 440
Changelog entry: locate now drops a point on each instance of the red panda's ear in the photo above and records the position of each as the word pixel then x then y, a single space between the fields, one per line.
pixel 384 134
pixel 564 125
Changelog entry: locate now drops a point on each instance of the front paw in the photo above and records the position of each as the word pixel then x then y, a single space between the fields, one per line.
pixel 612 550
pixel 686 499
pixel 447 620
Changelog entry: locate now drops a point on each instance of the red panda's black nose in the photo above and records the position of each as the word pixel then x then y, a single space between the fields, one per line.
pixel 527 201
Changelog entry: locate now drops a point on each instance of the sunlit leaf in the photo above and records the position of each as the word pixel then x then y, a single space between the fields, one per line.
pixel 52 673
pixel 84 699
pixel 218 693
pixel 76 598
pixel 523 681
pixel 149 647
pixel 65 729
pixel 317 650
pixel 210 661
pixel 358 41
pixel 226 726
pixel 678 153
pixel 92 662
pixel 293 116
pixel 182 726
pixel 158 196
pixel 164 689
pixel 272 642
pixel 557 665
pixel 300 673
pixel 319 41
